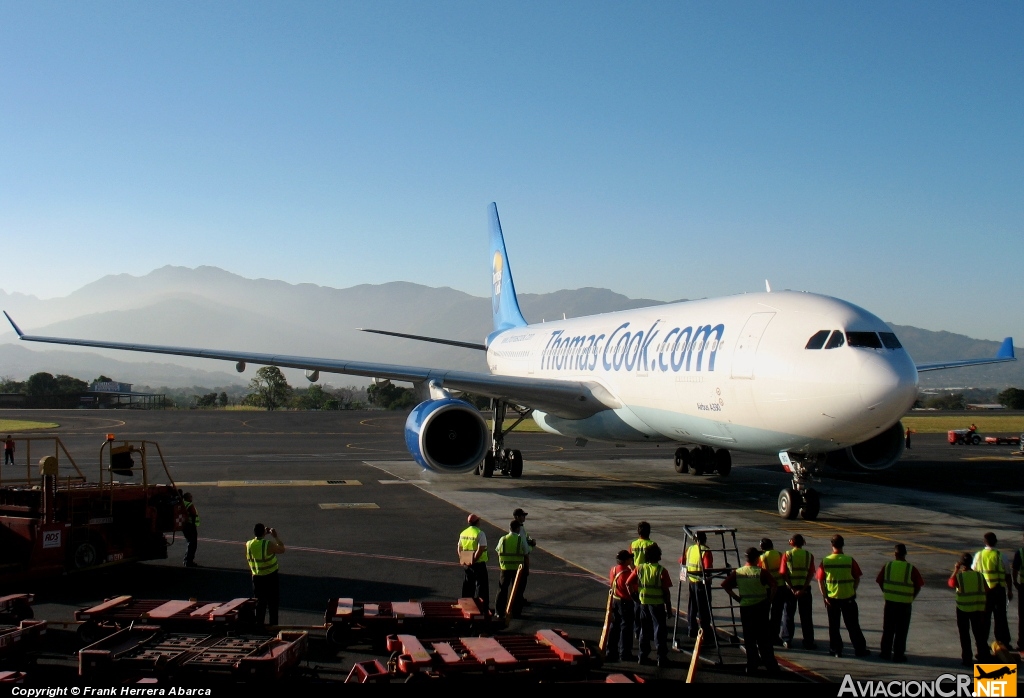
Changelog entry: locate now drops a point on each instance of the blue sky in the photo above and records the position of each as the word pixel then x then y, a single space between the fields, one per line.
pixel 871 151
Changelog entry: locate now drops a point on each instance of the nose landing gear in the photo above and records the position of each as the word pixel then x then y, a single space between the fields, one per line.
pixel 801 497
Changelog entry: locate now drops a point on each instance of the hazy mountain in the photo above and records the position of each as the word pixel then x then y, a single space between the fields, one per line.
pixel 210 307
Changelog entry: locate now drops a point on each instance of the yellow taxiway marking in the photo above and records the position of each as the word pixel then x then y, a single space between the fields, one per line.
pixel 348 505
pixel 991 458
pixel 404 482
pixel 268 483
pixel 858 531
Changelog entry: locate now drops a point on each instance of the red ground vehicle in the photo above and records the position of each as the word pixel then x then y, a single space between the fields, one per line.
pixel 55 521
pixel 972 437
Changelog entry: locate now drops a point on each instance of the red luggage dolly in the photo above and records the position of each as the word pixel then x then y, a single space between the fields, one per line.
pixel 350 622
pixel 211 617
pixel 20 637
pixel 547 650
pixel 148 650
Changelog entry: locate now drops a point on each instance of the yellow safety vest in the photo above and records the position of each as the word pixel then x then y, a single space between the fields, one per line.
pixel 510 551
pixel 970 592
pixel 772 561
pixel 798 562
pixel 749 586
pixel 469 540
pixel 651 591
pixel 639 549
pixel 260 561
pixel 990 564
pixel 896 581
pixel 695 562
pixel 194 515
pixel 838 576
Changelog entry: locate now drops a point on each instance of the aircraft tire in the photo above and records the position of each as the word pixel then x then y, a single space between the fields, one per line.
pixel 487 469
pixel 811 506
pixel 788 499
pixel 682 461
pixel 723 462
pixel 515 464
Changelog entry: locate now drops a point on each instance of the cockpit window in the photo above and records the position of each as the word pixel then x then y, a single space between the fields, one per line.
pixel 835 341
pixel 889 340
pixel 868 340
pixel 818 340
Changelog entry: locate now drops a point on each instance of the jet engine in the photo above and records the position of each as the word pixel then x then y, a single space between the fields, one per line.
pixel 447 435
pixel 877 453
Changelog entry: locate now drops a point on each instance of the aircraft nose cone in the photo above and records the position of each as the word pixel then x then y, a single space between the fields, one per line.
pixel 887 383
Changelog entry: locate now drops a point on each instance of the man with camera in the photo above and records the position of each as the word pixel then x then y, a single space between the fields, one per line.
pixel 261 555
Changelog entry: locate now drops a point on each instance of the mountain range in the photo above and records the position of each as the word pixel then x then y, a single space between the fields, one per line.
pixel 210 307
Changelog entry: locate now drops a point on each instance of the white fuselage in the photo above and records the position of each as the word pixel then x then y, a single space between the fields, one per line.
pixel 728 372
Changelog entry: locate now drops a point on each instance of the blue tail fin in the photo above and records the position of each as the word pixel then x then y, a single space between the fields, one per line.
pixel 504 306
pixel 1006 349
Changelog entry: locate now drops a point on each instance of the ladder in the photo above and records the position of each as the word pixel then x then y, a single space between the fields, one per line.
pixel 724 613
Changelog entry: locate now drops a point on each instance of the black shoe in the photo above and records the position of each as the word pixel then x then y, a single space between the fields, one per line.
pixel 643 660
pixel 883 655
pixel 834 653
pixel 810 646
pixel 863 653
pixel 902 659
pixel 663 662
pixel 629 657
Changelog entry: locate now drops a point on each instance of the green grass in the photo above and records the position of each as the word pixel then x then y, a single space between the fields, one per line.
pixel 987 424
pixel 527 425
pixel 8 426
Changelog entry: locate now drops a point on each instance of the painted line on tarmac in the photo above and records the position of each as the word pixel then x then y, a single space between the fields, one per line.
pixel 348 505
pixel 270 483
pixel 399 558
pixel 801 671
pixel 879 536
pixel 404 482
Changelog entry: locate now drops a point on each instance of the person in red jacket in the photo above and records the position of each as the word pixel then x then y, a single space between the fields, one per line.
pixel 620 630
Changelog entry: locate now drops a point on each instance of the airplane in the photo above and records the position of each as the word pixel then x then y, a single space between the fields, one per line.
pixel 995 674
pixel 792 375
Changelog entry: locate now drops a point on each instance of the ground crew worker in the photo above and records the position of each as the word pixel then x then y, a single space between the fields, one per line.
pixel 838 578
pixel 991 563
pixel 474 541
pixel 698 559
pixel 770 561
pixel 907 436
pixel 261 555
pixel 1016 569
pixel 9 450
pixel 753 587
pixel 190 529
pixel 901 583
pixel 620 630
pixel 970 610
pixel 797 568
pixel 528 543
pixel 511 554
pixel 652 585
pixel 638 548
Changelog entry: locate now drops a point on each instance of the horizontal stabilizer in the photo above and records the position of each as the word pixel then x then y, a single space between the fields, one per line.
pixel 1005 353
pixel 435 340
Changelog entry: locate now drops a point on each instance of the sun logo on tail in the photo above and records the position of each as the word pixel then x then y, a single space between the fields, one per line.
pixel 496 267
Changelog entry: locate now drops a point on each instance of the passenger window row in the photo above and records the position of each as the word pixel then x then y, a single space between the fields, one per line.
pixel 836 339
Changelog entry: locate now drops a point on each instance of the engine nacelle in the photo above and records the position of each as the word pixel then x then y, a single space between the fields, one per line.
pixel 878 453
pixel 447 436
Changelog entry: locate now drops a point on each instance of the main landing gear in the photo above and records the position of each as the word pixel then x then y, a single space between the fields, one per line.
pixel 499 459
pixel 801 497
pixel 703 459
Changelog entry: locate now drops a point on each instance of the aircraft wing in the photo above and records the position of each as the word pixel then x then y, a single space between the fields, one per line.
pixel 1005 353
pixel 567 399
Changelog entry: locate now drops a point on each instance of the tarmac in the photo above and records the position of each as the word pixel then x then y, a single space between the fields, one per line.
pixel 360 519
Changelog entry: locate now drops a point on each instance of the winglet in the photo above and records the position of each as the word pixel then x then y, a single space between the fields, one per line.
pixel 22 334
pixel 1006 349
